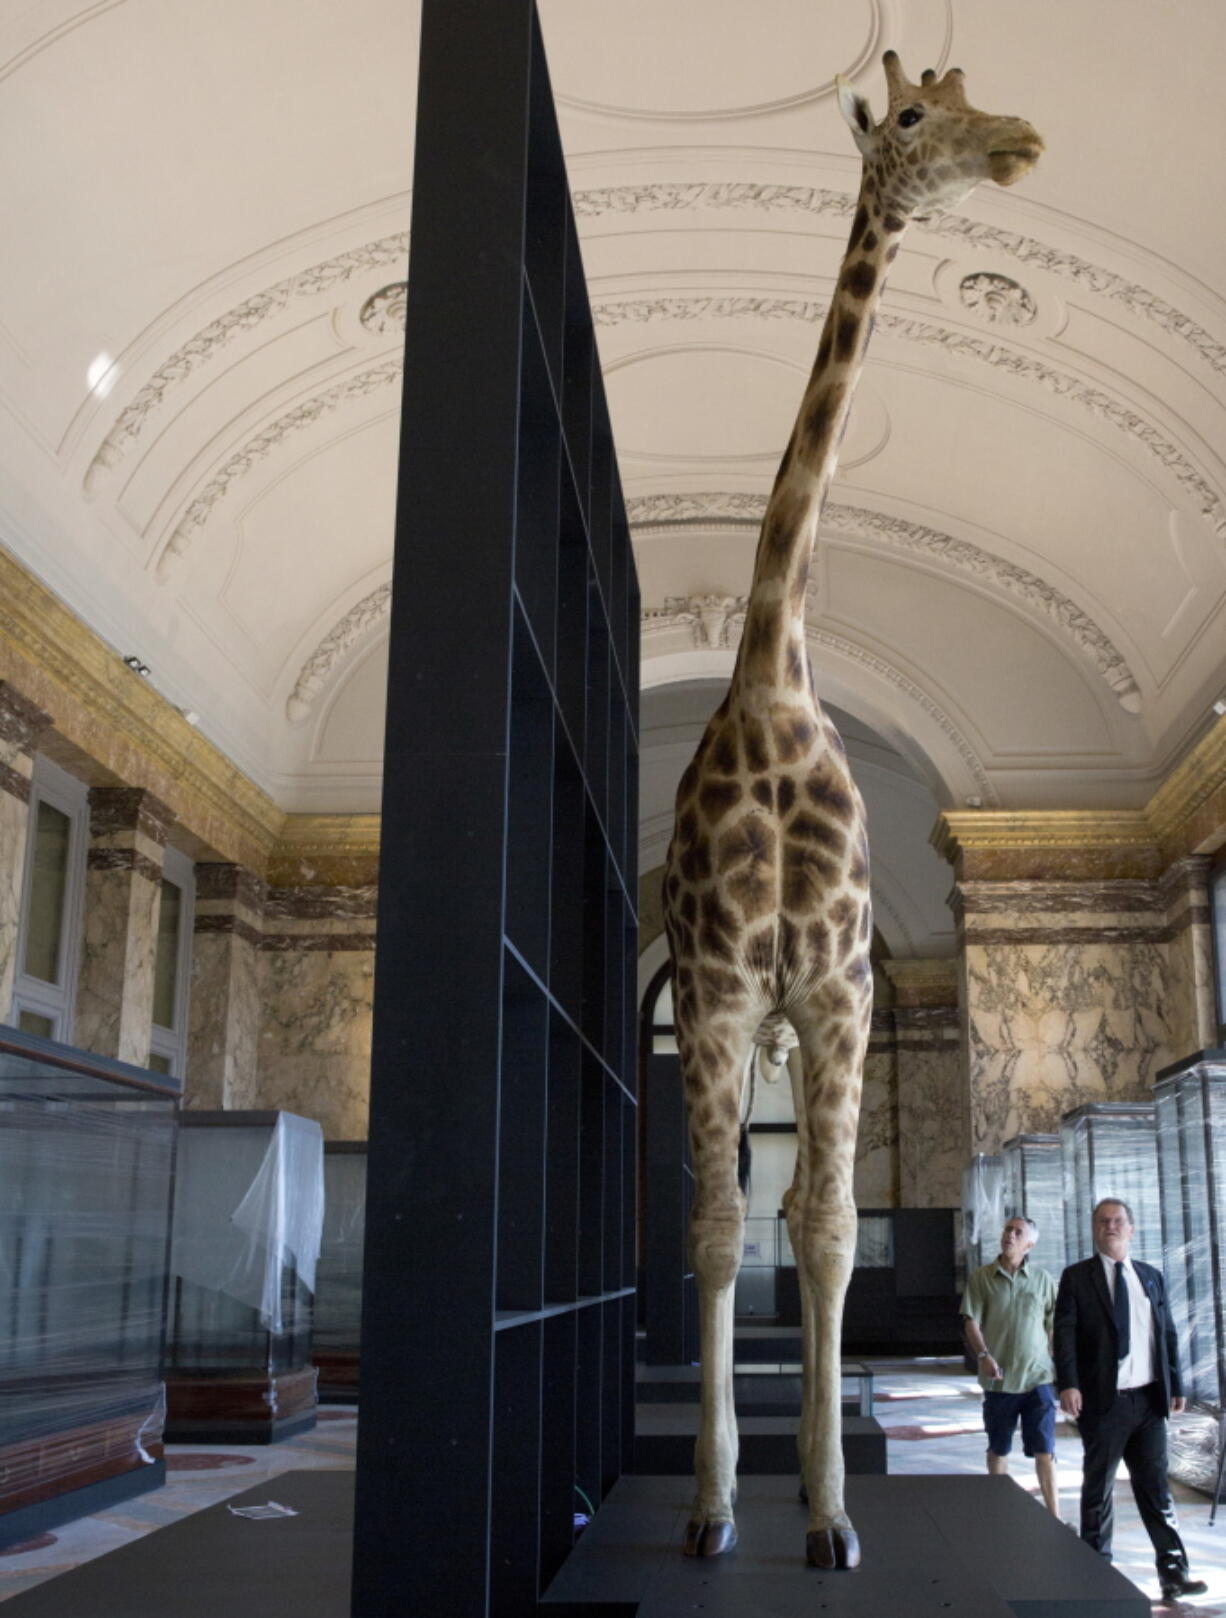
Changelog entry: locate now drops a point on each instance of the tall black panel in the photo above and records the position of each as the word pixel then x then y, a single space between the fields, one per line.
pixel 497 1364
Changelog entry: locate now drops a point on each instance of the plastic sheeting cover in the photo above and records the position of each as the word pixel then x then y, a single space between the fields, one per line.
pixel 983 1201
pixel 1110 1149
pixel 1034 1186
pixel 1190 1109
pixel 248 1204
pixel 338 1293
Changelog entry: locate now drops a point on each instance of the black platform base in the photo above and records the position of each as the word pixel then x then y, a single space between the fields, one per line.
pixel 215 1565
pixel 664 1442
pixel 934 1547
pixel 27 1522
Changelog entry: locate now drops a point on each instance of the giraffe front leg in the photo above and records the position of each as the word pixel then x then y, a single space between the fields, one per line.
pixel 717 1235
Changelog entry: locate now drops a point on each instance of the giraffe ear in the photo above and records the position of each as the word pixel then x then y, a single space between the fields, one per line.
pixel 857 112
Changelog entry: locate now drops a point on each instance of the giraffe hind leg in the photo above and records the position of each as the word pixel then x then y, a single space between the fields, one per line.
pixel 833 1031
pixel 716 1237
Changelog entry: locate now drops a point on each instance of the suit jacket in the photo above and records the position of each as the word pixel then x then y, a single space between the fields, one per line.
pixel 1086 1342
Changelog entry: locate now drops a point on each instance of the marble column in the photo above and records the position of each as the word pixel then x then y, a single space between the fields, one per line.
pixel 123 890
pixel 931 1085
pixel 20 726
pixel 224 1028
pixel 1066 999
pixel 316 991
pixel 1192 1014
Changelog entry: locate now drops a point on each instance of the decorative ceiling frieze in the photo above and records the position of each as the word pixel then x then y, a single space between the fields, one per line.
pixel 964 345
pixel 312 282
pixel 258 447
pixel 972 233
pixel 663 510
pixel 313 675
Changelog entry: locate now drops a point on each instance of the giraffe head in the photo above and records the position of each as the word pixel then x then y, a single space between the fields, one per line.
pixel 932 147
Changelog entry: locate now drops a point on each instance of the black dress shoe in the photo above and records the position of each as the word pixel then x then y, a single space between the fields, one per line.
pixel 1181 1584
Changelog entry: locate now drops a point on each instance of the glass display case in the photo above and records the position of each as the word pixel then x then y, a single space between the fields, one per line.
pixel 1190 1111
pixel 1110 1149
pixel 338 1277
pixel 248 1218
pixel 1034 1186
pixel 87 1151
pixel 983 1195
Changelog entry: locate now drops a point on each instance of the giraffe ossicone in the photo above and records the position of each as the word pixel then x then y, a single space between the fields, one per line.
pixel 766 889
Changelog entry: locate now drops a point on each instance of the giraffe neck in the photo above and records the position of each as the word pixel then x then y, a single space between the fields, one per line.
pixel 772 655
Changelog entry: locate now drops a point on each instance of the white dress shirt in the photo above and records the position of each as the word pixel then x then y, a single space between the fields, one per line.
pixel 1138 1366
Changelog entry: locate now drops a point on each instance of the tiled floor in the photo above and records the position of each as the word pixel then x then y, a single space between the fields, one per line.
pixel 930 1410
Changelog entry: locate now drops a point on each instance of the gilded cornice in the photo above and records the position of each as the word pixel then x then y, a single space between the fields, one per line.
pixel 326 851
pixel 1037 844
pixel 107 712
pixel 1184 817
pixel 1188 811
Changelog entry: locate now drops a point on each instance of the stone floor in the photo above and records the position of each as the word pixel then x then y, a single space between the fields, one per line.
pixel 930 1409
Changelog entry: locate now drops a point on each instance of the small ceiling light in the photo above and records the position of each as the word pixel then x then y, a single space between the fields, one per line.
pixel 190 715
pixel 102 375
pixel 974 802
pixel 134 663
pixel 1219 707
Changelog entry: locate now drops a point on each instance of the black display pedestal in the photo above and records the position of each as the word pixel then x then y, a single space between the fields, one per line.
pixel 934 1547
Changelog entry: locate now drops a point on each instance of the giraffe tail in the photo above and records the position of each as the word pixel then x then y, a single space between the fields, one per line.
pixel 743 1160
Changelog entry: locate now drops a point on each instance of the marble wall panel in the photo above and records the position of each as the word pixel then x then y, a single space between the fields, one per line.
pixel 876 1172
pixel 314 1035
pixel 1052 1026
pixel 224 1027
pixel 931 1090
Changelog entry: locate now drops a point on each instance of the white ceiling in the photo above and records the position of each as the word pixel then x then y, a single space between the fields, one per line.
pixel 1021 584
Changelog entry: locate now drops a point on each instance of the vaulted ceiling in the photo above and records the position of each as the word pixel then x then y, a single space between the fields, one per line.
pixel 1020 591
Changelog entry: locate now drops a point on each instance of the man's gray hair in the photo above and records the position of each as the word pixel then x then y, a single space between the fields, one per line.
pixel 1115 1202
pixel 1025 1219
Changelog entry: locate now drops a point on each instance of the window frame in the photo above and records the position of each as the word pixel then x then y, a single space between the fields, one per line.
pixel 171 1043
pixel 51 784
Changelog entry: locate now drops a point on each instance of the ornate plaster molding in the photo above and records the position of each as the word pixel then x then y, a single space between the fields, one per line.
pixel 262 444
pixel 715 620
pixel 387 310
pixel 964 345
pixel 1089 278
pixel 234 323
pixel 665 618
pixel 997 299
pixel 313 675
pixel 661 510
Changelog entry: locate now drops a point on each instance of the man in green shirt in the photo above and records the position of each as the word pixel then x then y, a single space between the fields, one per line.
pixel 1007 1311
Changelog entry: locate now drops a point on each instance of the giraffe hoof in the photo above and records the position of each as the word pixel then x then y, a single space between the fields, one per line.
pixel 709 1538
pixel 832 1547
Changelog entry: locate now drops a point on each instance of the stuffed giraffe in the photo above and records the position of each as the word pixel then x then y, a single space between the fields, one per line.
pixel 766 892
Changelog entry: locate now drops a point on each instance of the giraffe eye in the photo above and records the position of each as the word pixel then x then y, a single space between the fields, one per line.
pixel 909 116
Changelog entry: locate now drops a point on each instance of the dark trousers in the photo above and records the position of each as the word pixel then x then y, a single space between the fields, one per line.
pixel 1131 1430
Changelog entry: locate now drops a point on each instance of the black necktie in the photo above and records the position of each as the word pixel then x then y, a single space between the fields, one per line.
pixel 1122 1314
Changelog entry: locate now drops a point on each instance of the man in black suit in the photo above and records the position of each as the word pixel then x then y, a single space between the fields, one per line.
pixel 1117 1369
